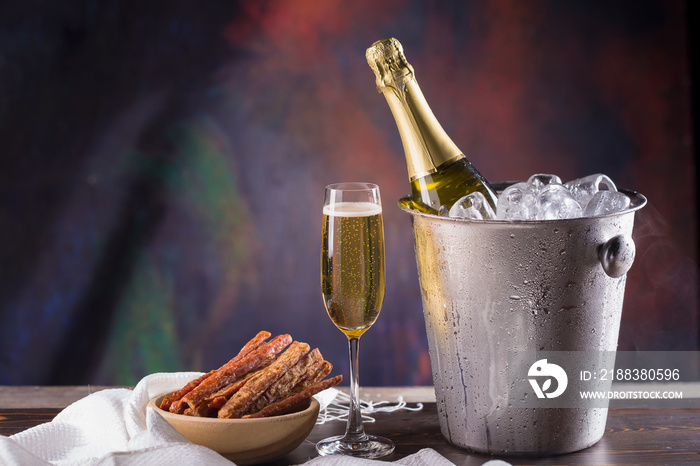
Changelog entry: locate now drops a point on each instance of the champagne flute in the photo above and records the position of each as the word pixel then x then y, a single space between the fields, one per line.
pixel 353 286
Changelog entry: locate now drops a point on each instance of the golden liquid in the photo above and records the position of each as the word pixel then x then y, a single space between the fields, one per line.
pixel 352 265
pixel 451 182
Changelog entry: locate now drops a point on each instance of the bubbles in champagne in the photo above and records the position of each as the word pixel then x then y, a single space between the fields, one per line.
pixel 352 209
pixel 352 264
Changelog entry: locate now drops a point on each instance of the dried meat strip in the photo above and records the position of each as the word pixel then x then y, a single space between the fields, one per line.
pixel 289 404
pixel 312 378
pixel 241 401
pixel 280 389
pixel 201 410
pixel 325 369
pixel 210 406
pixel 170 399
pixel 256 341
pixel 283 387
pixel 218 399
pixel 230 373
pixel 173 402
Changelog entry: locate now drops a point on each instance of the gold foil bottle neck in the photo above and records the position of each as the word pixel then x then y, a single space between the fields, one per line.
pixel 431 157
pixel 425 143
pixel 388 62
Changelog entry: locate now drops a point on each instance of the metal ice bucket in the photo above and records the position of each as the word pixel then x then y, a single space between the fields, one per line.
pixel 490 287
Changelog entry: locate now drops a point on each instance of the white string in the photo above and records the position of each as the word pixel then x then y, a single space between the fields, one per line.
pixel 338 407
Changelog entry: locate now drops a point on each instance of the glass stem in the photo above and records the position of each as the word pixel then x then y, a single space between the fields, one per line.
pixel 355 431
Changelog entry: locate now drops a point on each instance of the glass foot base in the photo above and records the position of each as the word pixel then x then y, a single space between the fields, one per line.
pixel 369 447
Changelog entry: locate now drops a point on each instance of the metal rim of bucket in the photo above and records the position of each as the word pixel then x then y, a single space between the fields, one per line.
pixel 637 201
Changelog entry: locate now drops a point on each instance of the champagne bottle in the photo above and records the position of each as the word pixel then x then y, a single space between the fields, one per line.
pixel 439 172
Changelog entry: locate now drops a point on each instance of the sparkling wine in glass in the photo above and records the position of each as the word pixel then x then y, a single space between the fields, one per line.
pixel 353 286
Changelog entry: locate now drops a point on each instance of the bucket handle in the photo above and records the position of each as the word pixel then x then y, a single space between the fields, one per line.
pixel 616 255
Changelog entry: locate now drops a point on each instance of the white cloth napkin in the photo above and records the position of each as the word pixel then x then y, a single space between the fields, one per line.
pixel 114 427
pixel 425 457
pixel 110 427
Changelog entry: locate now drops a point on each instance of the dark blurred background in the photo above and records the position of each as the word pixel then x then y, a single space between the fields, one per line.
pixel 162 165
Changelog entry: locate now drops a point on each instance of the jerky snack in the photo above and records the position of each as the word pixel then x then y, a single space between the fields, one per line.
pixel 266 378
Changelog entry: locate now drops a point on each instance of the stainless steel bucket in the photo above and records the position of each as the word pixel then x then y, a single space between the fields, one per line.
pixel 492 287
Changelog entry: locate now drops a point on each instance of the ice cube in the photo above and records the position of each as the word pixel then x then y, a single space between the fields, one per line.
pixel 606 202
pixel 444 211
pixel 540 180
pixel 517 202
pixel 473 206
pixel 583 189
pixel 556 202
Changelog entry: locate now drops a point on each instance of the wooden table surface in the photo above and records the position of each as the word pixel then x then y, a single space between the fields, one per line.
pixel 635 434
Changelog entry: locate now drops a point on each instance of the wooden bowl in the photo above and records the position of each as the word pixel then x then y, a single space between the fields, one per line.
pixel 245 441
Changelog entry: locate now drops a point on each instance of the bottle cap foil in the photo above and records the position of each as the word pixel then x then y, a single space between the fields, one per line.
pixel 388 62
